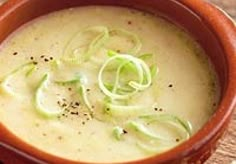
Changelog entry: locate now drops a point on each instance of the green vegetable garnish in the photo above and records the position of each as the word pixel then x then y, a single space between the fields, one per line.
pixel 154 70
pixel 110 87
pixel 111 53
pixel 117 93
pixel 80 82
pixel 142 70
pixel 147 76
pixel 146 56
pixel 141 129
pixel 38 98
pixel 134 38
pixel 69 82
pixel 118 132
pixel 55 64
pixel 83 93
pixel 72 47
pixel 30 67
pixel 117 110
pixel 180 124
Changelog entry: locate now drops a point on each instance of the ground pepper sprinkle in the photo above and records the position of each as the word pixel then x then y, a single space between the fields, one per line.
pixel 124 131
pixel 170 86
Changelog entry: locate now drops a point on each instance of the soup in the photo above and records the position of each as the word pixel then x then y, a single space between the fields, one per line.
pixel 104 84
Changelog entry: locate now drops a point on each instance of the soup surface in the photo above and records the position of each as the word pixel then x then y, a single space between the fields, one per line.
pixel 102 84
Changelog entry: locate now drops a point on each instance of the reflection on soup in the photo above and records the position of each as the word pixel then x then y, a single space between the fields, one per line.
pixel 104 84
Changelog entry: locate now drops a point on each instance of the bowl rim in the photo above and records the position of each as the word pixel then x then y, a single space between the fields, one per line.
pixel 225 31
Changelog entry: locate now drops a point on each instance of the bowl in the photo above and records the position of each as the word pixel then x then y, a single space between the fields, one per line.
pixel 211 27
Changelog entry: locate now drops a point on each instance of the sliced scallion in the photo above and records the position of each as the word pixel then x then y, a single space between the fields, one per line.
pixel 5 80
pixel 139 67
pixel 80 82
pixel 83 93
pixel 111 53
pixel 180 124
pixel 146 56
pixel 72 46
pixel 38 99
pixel 148 77
pixel 134 38
pixel 154 70
pixel 69 82
pixel 117 110
pixel 141 129
pixel 118 132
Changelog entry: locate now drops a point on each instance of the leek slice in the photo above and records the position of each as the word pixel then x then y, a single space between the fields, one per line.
pixel 76 80
pixel 125 65
pixel 117 110
pixel 83 93
pixel 139 67
pixel 55 64
pixel 112 53
pixel 163 143
pixel 148 77
pixel 118 72
pixel 110 87
pixel 154 70
pixel 37 99
pixel 80 82
pixel 3 84
pixel 145 56
pixel 135 39
pixel 72 46
pixel 118 132
pixel 179 123
pixel 140 128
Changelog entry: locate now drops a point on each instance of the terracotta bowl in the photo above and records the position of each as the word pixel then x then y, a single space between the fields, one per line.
pixel 208 25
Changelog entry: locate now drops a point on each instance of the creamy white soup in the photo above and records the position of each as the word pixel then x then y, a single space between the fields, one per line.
pixel 104 84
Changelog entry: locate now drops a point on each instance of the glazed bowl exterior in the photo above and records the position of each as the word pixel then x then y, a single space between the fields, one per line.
pixel 214 31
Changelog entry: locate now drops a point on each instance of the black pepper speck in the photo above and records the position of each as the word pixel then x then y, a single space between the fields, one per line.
pixel 170 86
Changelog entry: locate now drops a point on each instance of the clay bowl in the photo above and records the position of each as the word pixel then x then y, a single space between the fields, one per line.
pixel 215 32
